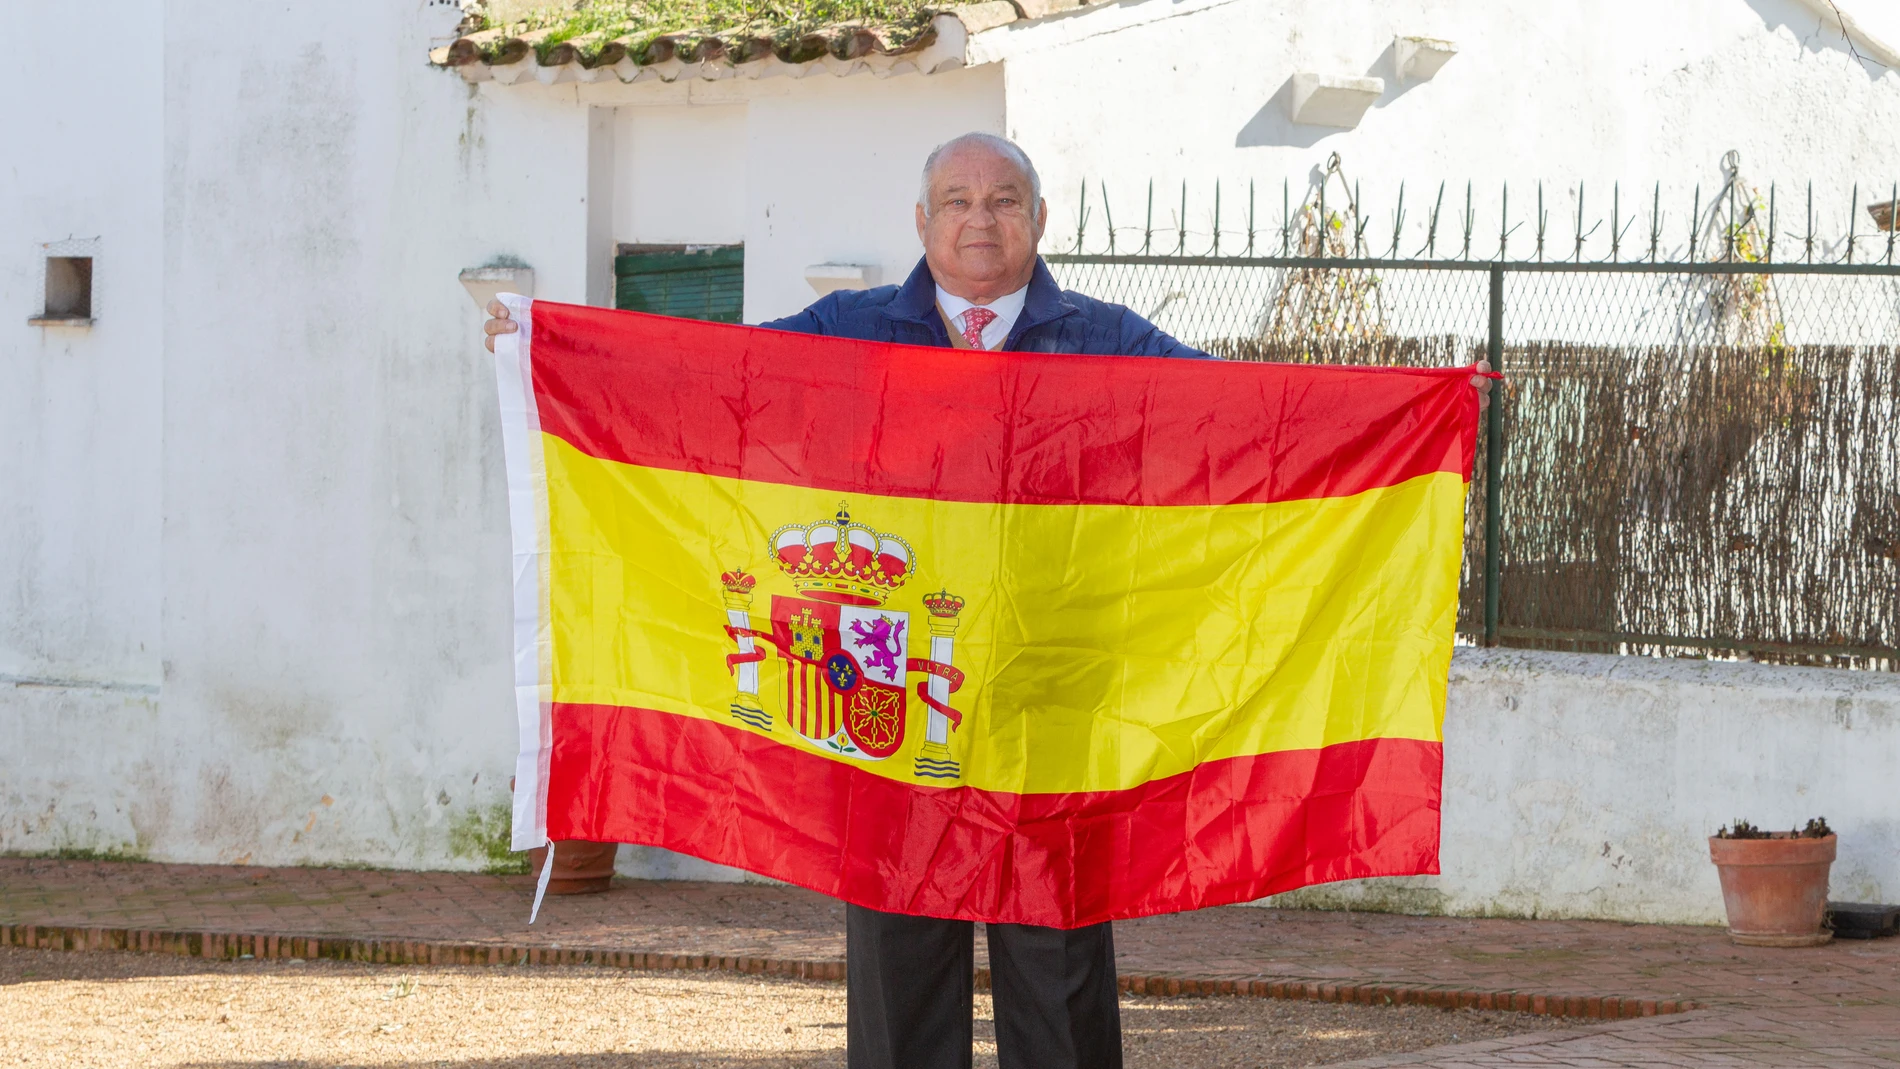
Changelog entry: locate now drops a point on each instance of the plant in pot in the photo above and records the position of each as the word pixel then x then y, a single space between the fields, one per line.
pixel 1774 883
pixel 580 867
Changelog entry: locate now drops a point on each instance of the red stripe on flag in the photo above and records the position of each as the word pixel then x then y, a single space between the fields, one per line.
pixel 957 425
pixel 1228 831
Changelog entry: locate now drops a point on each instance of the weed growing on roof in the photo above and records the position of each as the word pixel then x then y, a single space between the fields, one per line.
pixel 605 20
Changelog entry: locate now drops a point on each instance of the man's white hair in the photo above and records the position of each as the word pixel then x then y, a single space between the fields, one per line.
pixel 1002 146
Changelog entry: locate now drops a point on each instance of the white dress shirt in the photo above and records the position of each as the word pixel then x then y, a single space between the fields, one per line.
pixel 1008 309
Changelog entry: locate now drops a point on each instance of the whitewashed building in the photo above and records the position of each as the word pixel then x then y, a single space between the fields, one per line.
pixel 254 599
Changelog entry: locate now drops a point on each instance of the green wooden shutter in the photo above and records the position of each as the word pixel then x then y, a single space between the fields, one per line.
pixel 694 284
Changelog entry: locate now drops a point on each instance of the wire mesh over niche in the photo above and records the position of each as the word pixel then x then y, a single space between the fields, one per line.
pixel 1698 459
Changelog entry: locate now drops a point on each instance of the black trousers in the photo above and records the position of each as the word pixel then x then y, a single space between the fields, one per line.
pixel 909 986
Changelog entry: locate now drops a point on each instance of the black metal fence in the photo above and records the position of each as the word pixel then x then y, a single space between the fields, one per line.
pixel 1696 458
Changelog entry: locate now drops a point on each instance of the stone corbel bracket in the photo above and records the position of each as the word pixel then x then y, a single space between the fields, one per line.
pixel 824 278
pixel 1418 58
pixel 482 283
pixel 1336 100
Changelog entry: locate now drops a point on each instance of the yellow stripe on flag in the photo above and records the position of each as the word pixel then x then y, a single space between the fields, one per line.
pixel 1117 644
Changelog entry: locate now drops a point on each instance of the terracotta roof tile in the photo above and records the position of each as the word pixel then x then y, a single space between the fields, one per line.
pixel 930 43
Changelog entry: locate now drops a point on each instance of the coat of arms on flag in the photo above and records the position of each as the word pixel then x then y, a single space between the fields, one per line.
pixel 1012 637
pixel 843 655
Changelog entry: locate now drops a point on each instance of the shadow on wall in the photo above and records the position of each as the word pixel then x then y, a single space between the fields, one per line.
pixel 1273 125
pixel 645 1059
pixel 1805 23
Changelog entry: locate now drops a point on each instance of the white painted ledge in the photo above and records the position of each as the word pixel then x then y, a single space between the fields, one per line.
pixel 824 278
pixel 1336 100
pixel 483 283
pixel 1418 58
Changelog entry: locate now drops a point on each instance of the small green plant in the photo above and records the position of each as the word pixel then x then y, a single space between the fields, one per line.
pixel 1742 310
pixel 1742 829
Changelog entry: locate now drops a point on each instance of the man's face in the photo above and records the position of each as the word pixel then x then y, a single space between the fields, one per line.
pixel 981 232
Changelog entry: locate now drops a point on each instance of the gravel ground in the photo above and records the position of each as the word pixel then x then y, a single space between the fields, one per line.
pixel 114 1010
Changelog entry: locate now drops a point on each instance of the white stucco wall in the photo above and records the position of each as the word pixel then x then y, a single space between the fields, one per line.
pixel 1579 785
pixel 80 596
pixel 255 601
pixel 1617 91
pixel 680 174
pixel 79 405
pixel 273 463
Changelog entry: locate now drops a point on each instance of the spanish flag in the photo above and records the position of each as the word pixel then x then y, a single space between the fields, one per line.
pixel 1010 637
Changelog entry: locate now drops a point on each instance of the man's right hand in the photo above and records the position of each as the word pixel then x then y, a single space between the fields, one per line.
pixel 498 323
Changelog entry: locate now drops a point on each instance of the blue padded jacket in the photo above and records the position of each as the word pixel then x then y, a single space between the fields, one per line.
pixel 1053 320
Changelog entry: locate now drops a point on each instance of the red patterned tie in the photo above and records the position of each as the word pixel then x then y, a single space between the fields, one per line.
pixel 974 321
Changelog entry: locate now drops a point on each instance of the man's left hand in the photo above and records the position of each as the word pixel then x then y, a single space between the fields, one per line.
pixel 1483 385
pixel 499 322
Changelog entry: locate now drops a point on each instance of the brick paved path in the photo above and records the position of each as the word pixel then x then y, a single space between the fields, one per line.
pixel 1837 1005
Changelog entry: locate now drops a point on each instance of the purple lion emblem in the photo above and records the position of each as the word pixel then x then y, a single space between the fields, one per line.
pixel 885 641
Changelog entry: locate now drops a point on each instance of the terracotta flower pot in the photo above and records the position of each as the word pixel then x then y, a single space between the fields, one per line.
pixel 580 868
pixel 1775 889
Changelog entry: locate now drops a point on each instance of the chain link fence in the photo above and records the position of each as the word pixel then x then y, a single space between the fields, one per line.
pixel 1695 459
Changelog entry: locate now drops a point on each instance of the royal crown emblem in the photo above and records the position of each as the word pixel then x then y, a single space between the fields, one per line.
pixel 943 604
pixel 844 654
pixel 840 561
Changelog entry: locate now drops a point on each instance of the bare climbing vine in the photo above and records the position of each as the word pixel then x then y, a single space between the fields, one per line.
pixel 1320 304
pixel 1738 309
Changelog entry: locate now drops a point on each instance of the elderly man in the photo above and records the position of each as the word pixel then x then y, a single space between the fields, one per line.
pixel 980 285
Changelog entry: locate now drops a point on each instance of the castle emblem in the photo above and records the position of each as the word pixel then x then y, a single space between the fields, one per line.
pixel 844 656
